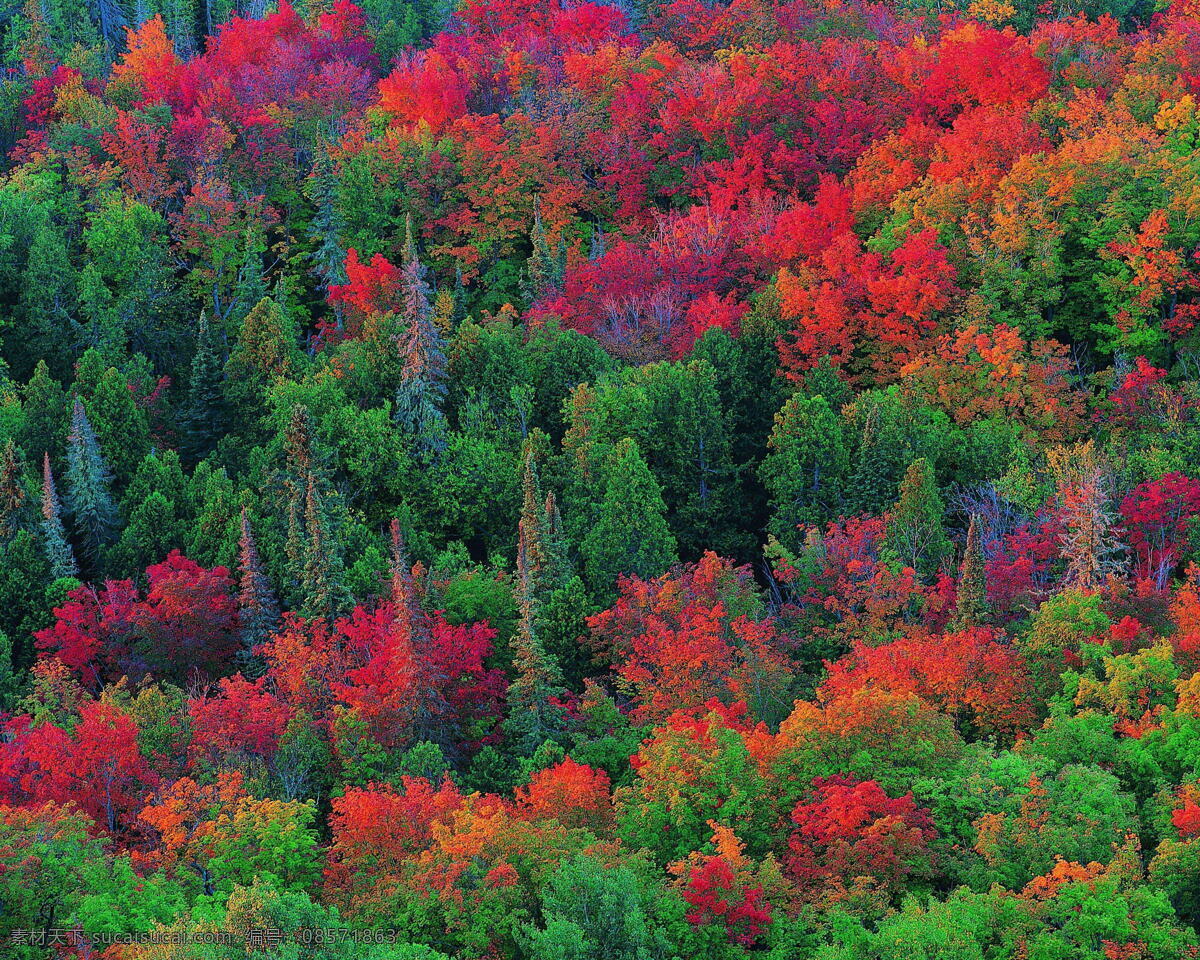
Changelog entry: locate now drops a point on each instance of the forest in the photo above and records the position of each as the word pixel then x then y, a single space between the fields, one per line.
pixel 600 480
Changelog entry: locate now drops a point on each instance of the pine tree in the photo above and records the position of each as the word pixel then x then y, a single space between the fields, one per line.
pixel 532 717
pixel 321 579
pixel 544 268
pixel 89 483
pixel 54 538
pixel 422 387
pixel 258 610
pixel 327 225
pixel 805 471
pixel 972 581
pixel 630 533
pixel 46 415
pixel 203 416
pixel 13 495
pixel 120 424
pixel 916 533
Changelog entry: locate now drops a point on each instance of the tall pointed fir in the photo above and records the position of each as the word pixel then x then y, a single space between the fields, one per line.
pixel 972 604
pixel 916 532
pixel 545 267
pixel 54 537
pixel 258 610
pixel 89 487
pixel 203 416
pixel 532 718
pixel 13 496
pixel 325 594
pixel 630 534
pixel 422 389
pixel 329 258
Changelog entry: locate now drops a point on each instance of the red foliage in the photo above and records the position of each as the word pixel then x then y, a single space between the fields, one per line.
pixel 847 829
pixel 682 640
pixel 240 719
pixel 185 625
pixel 1156 515
pixel 95 765
pixel 716 895
pixel 974 673
pixel 401 673
pixel 376 828
pixel 572 793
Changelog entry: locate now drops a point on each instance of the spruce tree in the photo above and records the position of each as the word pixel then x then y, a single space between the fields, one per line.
pixel 258 610
pixel 329 258
pixel 532 718
pixel 203 418
pixel 324 592
pixel 54 538
pixel 916 532
pixel 972 601
pixel 46 415
pixel 422 389
pixel 630 533
pixel 13 496
pixel 89 487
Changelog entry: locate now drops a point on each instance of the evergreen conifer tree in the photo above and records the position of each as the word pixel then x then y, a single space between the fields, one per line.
pixel 972 601
pixel 203 419
pixel 54 538
pixel 13 496
pixel 532 717
pixel 258 610
pixel 916 532
pixel 89 487
pixel 422 389
pixel 630 533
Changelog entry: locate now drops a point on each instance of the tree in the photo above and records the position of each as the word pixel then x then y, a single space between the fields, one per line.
pixel 423 381
pixel 89 480
pixel 971 605
pixel 916 534
pixel 156 511
pixel 266 348
pixel 185 624
pixel 845 829
pixel 1089 541
pixel 13 495
pixel 629 534
pixel 120 423
pixel 54 537
pixel 534 716
pixel 805 467
pixel 601 910
pixel 96 766
pixel 202 419
pixel 694 636
pixel 47 415
pixel 258 610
